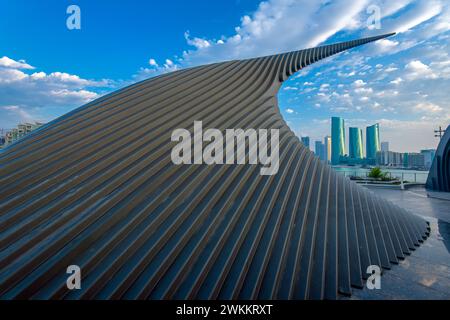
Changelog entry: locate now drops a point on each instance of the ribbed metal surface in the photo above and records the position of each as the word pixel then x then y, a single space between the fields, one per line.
pixel 97 188
pixel 439 176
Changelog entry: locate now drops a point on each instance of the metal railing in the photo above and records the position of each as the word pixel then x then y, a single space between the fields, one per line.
pixel 416 177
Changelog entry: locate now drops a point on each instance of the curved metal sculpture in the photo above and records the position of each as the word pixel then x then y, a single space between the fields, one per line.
pixel 439 176
pixel 96 188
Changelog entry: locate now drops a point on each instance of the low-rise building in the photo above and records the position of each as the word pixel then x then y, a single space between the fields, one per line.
pixel 21 131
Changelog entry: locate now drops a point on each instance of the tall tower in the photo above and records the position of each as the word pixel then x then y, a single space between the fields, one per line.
pixel 337 139
pixel 355 145
pixel 320 150
pixel 327 143
pixel 305 141
pixel 372 141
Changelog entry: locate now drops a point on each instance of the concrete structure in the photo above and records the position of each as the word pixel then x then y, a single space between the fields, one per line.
pixel 337 140
pixel 97 188
pixel 305 141
pixel 372 141
pixel 355 145
pixel 439 176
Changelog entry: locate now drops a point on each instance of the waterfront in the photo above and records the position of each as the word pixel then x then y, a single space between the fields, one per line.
pixel 401 174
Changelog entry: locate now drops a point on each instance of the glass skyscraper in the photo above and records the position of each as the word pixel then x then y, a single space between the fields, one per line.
pixel 305 141
pixel 327 145
pixel 355 145
pixel 337 139
pixel 372 141
pixel 320 150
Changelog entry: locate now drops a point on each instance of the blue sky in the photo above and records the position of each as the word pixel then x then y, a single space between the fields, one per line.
pixel 47 70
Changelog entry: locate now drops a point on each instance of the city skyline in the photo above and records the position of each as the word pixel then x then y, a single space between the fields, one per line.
pixel 355 145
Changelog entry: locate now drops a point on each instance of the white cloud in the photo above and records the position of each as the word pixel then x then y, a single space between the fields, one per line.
pixel 424 11
pixel 390 69
pixel 427 107
pixel 396 81
pixel 416 69
pixel 289 110
pixel 81 95
pixel 155 69
pixel 15 114
pixel 11 75
pixel 198 42
pixel 363 90
pixel 277 25
pixel 25 96
pixel 364 99
pixel 385 45
pixel 359 83
pixel 10 63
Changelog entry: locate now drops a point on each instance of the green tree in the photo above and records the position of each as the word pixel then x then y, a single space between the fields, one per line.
pixel 376 173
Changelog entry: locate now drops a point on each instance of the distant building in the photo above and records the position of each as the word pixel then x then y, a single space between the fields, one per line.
pixel 414 160
pixel 305 141
pixel 327 146
pixel 337 140
pixel 320 150
pixel 372 142
pixel 389 158
pixel 21 131
pixel 428 155
pixel 384 146
pixel 355 146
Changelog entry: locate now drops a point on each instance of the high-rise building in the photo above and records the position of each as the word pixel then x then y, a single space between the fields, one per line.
pixel 384 146
pixel 355 145
pixel 428 157
pixel 372 141
pixel 337 139
pixel 320 150
pixel 327 146
pixel 390 158
pixel 413 160
pixel 305 141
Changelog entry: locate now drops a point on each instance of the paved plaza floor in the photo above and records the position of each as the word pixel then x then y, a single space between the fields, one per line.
pixel 425 274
